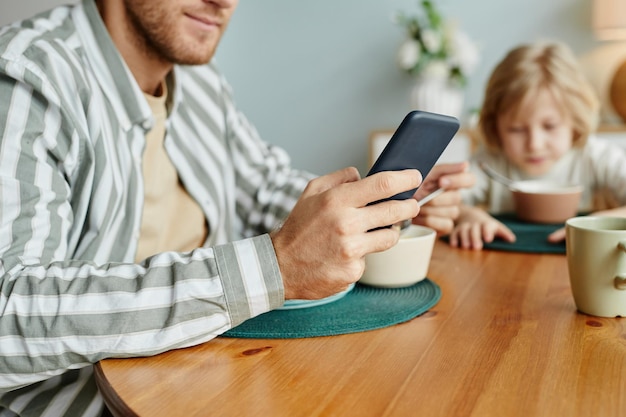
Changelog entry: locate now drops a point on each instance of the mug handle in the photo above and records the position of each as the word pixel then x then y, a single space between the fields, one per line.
pixel 619 282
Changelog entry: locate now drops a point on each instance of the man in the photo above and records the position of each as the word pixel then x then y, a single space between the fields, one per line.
pixel 139 210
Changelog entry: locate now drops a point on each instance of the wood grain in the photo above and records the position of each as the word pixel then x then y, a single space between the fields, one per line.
pixel 505 340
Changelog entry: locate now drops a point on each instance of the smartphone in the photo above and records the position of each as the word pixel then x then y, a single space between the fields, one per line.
pixel 418 143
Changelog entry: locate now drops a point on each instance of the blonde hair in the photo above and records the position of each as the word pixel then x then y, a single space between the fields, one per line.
pixel 529 68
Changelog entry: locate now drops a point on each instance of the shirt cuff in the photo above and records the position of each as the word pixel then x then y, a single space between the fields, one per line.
pixel 250 276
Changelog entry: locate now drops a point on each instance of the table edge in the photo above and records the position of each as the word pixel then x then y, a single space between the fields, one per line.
pixel 112 400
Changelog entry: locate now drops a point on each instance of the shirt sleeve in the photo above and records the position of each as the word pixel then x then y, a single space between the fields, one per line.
pixel 267 185
pixel 477 194
pixel 608 168
pixel 64 305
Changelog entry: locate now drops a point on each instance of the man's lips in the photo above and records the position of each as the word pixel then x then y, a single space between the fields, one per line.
pixel 207 21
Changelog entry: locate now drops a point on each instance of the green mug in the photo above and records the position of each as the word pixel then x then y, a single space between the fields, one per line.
pixel 596 259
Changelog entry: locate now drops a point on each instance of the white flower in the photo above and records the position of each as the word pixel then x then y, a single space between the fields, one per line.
pixel 463 52
pixel 408 54
pixel 432 40
pixel 434 47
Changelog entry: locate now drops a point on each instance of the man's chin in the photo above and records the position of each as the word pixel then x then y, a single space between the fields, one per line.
pixel 190 50
pixel 195 57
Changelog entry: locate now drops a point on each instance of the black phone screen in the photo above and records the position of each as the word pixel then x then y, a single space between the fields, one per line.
pixel 418 143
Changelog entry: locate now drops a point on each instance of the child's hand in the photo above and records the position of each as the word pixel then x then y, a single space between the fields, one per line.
pixel 557 236
pixel 475 226
pixel 441 213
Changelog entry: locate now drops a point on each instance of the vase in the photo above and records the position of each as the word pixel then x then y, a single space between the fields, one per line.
pixel 436 95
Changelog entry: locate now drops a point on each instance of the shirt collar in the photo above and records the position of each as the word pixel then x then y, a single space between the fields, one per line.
pixel 110 69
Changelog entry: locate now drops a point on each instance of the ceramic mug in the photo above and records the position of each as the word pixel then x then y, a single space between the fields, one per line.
pixel 404 264
pixel 596 257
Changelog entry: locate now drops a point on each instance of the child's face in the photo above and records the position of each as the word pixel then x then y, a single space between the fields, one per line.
pixel 537 135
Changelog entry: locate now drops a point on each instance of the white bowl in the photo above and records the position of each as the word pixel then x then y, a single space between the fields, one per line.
pixel 404 264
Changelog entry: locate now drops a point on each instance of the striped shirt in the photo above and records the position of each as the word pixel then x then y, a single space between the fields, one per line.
pixel 72 132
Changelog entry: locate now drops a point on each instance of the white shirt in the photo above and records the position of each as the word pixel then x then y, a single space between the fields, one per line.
pixel 598 166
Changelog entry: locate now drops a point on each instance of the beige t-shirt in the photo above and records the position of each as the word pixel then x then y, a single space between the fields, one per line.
pixel 172 220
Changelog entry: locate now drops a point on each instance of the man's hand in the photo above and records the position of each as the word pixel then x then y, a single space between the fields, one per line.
pixel 321 246
pixel 441 213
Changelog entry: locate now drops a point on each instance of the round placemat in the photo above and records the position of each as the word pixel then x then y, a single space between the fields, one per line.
pixel 364 308
pixel 529 237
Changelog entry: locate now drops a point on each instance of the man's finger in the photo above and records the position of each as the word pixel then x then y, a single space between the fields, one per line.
pixel 384 185
pixel 328 181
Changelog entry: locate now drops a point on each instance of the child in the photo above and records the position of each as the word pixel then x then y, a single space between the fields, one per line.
pixel 537 117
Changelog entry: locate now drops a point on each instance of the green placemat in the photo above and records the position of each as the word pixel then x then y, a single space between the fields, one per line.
pixel 531 237
pixel 363 308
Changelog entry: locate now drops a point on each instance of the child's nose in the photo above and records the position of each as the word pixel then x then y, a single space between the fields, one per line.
pixel 536 139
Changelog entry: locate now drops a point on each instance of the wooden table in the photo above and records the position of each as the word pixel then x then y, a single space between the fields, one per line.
pixel 505 340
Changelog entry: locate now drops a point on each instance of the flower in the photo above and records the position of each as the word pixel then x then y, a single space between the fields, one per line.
pixel 435 47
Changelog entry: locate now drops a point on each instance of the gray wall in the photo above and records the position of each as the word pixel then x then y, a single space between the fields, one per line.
pixel 11 10
pixel 317 77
